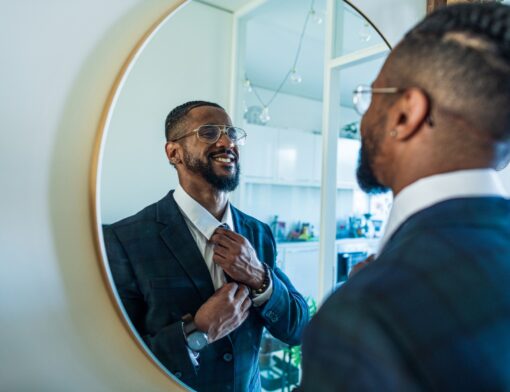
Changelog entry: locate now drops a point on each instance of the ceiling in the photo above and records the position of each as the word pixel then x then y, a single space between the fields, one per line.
pixel 272 38
pixel 230 5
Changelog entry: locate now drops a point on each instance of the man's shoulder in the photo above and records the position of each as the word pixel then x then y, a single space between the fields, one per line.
pixel 421 258
pixel 488 212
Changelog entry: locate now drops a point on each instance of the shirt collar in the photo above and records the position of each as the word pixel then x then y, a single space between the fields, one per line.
pixel 435 189
pixel 195 213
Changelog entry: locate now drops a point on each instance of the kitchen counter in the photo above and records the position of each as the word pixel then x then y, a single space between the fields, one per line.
pixel 343 244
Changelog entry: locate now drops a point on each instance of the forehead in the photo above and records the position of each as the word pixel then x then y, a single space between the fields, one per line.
pixel 208 115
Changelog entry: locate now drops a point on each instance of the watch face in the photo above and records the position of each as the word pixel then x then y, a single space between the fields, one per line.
pixel 197 340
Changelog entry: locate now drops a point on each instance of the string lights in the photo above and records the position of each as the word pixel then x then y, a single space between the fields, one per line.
pixel 292 74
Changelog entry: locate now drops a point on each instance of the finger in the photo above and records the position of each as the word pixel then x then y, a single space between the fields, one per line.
pixel 229 289
pixel 370 258
pixel 221 252
pixel 244 316
pixel 247 303
pixel 230 234
pixel 242 293
pixel 222 240
pixel 357 267
pixel 221 261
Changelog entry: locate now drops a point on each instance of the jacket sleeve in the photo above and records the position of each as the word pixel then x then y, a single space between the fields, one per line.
pixel 285 314
pixel 167 344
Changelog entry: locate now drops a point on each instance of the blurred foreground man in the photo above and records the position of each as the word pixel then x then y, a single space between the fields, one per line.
pixel 432 311
pixel 196 276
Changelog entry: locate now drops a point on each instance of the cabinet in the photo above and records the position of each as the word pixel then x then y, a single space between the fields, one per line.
pixel 300 262
pixel 294 157
pixel 258 155
pixel 347 163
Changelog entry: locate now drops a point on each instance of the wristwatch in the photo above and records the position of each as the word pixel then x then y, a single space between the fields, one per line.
pixel 196 340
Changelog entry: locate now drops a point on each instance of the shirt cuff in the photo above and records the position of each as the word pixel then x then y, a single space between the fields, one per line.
pixel 262 298
pixel 193 356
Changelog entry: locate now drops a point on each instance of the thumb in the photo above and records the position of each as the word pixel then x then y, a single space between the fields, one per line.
pixel 228 288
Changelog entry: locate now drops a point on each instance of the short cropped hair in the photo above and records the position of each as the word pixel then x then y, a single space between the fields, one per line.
pixel 177 117
pixel 460 56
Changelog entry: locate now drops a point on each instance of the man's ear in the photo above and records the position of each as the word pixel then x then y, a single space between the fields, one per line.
pixel 173 152
pixel 411 111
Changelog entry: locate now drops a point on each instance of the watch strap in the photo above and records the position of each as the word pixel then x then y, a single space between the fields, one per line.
pixel 188 325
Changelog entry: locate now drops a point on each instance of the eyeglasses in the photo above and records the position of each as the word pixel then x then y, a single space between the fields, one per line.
pixel 211 133
pixel 362 96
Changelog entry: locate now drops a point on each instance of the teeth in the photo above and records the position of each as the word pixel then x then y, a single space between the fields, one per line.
pixel 225 160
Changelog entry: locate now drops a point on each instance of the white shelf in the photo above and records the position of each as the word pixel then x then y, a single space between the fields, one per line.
pixel 342 244
pixel 269 181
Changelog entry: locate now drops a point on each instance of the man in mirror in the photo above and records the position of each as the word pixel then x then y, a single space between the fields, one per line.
pixel 197 277
pixel 432 311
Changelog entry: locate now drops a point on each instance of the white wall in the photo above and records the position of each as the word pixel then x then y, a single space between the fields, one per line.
pixel 188 59
pixel 59 331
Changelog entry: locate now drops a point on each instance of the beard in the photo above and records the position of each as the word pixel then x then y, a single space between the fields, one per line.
pixel 224 183
pixel 365 174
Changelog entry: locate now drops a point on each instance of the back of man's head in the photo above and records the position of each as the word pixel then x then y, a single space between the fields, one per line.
pixel 460 57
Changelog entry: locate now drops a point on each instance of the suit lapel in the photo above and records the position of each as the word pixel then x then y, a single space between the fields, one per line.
pixel 240 225
pixel 179 240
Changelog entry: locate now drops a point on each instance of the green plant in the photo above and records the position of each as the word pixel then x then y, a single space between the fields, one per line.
pixel 350 131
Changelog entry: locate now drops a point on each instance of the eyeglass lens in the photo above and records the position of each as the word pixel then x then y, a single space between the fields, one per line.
pixel 211 133
pixel 361 99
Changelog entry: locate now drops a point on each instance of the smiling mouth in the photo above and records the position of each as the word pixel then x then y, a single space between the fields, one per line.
pixel 224 158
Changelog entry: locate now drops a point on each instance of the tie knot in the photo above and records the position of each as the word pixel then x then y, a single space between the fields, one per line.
pixel 224 226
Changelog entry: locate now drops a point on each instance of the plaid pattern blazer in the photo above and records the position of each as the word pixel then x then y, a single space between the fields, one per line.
pixel 432 313
pixel 161 275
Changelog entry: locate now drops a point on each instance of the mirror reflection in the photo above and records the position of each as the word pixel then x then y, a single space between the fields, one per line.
pixel 210 185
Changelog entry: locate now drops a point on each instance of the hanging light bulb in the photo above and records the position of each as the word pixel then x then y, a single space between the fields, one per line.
pixel 316 16
pixel 264 116
pixel 295 77
pixel 247 85
pixel 365 34
pixel 245 106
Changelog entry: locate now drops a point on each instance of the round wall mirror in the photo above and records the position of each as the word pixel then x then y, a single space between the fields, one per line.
pixel 263 62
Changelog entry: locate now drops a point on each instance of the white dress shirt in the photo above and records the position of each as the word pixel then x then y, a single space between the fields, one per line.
pixel 202 225
pixel 435 189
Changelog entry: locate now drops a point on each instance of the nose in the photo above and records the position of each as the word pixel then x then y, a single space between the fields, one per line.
pixel 225 141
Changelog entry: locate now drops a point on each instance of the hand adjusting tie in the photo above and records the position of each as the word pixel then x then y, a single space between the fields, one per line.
pixel 227 276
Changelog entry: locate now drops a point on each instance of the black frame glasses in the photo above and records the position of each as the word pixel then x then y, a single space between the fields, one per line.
pixel 211 133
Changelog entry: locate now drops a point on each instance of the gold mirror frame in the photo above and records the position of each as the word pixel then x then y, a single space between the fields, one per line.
pixel 99 142
pixel 94 176
pixel 349 2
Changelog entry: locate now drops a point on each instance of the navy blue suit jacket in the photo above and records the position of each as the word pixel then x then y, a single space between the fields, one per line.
pixel 161 275
pixel 431 313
